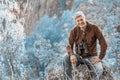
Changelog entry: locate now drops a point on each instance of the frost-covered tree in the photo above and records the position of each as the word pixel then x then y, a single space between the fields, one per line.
pixel 11 42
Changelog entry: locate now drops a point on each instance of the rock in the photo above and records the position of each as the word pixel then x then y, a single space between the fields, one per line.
pixel 118 28
pixel 33 10
pixel 83 72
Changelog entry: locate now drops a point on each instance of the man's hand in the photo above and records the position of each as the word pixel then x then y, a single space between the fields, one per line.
pixel 73 59
pixel 96 60
pixel 69 50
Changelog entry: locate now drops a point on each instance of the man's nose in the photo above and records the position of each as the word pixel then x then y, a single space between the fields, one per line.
pixel 80 22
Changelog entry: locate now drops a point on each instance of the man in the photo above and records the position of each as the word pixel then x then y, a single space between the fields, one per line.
pixel 84 36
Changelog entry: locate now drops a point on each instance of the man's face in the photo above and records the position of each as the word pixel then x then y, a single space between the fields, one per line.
pixel 80 21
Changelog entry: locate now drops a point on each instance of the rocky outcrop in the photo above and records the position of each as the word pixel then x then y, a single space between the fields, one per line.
pixel 33 10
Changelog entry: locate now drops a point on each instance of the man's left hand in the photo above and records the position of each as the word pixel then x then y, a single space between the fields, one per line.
pixel 96 60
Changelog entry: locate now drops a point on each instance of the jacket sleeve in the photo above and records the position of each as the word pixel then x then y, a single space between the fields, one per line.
pixel 102 42
pixel 71 41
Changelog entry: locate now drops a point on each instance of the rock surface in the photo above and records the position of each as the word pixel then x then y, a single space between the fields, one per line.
pixel 33 10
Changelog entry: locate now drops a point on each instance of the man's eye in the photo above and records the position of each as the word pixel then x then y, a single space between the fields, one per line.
pixel 81 20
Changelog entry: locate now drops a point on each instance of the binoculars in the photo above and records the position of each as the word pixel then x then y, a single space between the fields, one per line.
pixel 82 46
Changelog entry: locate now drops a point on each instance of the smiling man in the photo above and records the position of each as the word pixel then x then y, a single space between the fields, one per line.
pixel 84 36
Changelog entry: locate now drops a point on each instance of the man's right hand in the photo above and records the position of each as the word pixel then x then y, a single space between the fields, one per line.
pixel 69 50
pixel 73 59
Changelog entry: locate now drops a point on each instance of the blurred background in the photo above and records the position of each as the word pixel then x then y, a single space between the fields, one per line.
pixel 34 35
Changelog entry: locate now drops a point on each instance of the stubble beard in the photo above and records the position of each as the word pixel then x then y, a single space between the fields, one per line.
pixel 82 26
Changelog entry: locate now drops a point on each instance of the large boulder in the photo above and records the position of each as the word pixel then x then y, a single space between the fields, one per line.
pixel 87 72
pixel 84 72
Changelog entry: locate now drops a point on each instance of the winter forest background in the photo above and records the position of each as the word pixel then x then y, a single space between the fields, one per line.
pixel 34 35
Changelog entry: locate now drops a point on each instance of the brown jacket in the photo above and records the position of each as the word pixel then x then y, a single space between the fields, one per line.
pixel 91 34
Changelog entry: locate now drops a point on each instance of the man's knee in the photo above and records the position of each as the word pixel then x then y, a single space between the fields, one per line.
pixel 66 60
